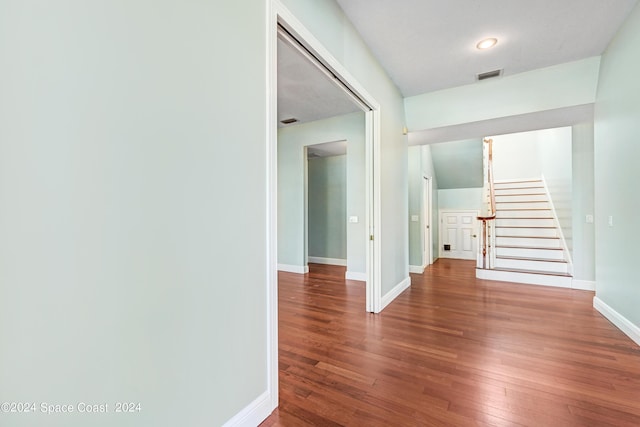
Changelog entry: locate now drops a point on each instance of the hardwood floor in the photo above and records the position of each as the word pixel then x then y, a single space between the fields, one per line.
pixel 450 351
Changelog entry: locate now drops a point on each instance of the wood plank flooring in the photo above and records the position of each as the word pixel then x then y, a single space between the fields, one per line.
pixel 450 351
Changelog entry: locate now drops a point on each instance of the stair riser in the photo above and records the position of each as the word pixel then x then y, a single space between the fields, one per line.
pixel 522 205
pixel 529 190
pixel 527 232
pixel 524 214
pixel 525 198
pixel 527 242
pixel 524 222
pixel 542 266
pixel 532 279
pixel 501 185
pixel 530 253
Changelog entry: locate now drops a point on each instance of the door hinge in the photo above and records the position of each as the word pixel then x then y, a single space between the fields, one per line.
pixel 371 237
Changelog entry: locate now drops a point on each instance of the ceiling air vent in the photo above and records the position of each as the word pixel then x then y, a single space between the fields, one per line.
pixel 489 75
pixel 288 121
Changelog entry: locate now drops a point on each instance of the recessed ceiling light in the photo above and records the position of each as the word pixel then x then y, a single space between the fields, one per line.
pixel 487 43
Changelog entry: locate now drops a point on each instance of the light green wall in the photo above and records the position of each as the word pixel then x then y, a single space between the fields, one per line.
pixel 617 173
pixel 564 85
pixel 583 202
pixel 458 164
pixel 460 198
pixel 327 208
pixel 133 219
pixel 333 29
pixel 420 164
pixel 291 186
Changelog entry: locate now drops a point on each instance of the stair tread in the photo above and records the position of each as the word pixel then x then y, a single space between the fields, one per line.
pixel 517 181
pixel 529 247
pixel 521 258
pixel 532 237
pixel 521 226
pixel 522 194
pixel 525 217
pixel 516 188
pixel 528 201
pixel 524 209
pixel 544 273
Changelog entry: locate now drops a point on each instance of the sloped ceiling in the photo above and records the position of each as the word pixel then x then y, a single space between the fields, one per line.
pixel 458 164
pixel 304 92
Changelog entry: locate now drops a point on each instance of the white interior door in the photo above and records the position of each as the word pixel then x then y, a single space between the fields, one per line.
pixel 458 234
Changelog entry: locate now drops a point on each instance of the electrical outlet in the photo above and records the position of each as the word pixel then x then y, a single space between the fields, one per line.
pixel 610 220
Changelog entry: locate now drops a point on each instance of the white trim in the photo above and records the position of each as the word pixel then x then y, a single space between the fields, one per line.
pixel 565 248
pixel 621 322
pixel 585 285
pixel 253 414
pixel 525 278
pixel 271 324
pixel 353 275
pixel 427 218
pixel 416 269
pixel 372 141
pixel 327 261
pixel 298 269
pixel 397 290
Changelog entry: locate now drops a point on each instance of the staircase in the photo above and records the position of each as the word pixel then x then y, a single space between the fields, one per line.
pixel 529 247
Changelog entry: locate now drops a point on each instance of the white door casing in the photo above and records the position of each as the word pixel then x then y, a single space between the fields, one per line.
pixel 427 237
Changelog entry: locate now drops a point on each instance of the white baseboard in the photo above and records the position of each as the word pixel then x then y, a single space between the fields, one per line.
pixel 416 269
pixel 299 269
pixel 254 413
pixel 327 261
pixel 585 285
pixel 393 293
pixel 352 275
pixel 621 322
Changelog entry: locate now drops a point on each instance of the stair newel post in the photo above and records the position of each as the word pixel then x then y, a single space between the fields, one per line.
pixel 484 243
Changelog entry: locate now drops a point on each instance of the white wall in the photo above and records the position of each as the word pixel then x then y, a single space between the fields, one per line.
pixel 516 156
pixel 617 174
pixel 132 186
pixel 555 156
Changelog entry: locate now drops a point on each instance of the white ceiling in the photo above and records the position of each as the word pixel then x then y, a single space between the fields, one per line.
pixel 427 45
pixel 304 92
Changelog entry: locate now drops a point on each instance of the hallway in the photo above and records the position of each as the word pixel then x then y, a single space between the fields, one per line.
pixel 451 350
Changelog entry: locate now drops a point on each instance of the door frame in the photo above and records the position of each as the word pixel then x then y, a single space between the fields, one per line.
pixel 475 213
pixel 278 14
pixel 427 220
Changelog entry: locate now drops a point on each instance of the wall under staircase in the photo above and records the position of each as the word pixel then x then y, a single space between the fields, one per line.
pixel 529 246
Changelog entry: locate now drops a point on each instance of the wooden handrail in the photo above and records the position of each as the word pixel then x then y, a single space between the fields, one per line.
pixel 492 203
pixel 492 196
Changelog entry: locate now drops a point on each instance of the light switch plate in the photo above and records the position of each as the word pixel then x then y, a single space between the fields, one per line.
pixel 353 219
pixel 415 218
pixel 589 219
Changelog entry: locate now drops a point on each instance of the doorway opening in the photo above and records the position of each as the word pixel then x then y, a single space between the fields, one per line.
pixel 284 26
